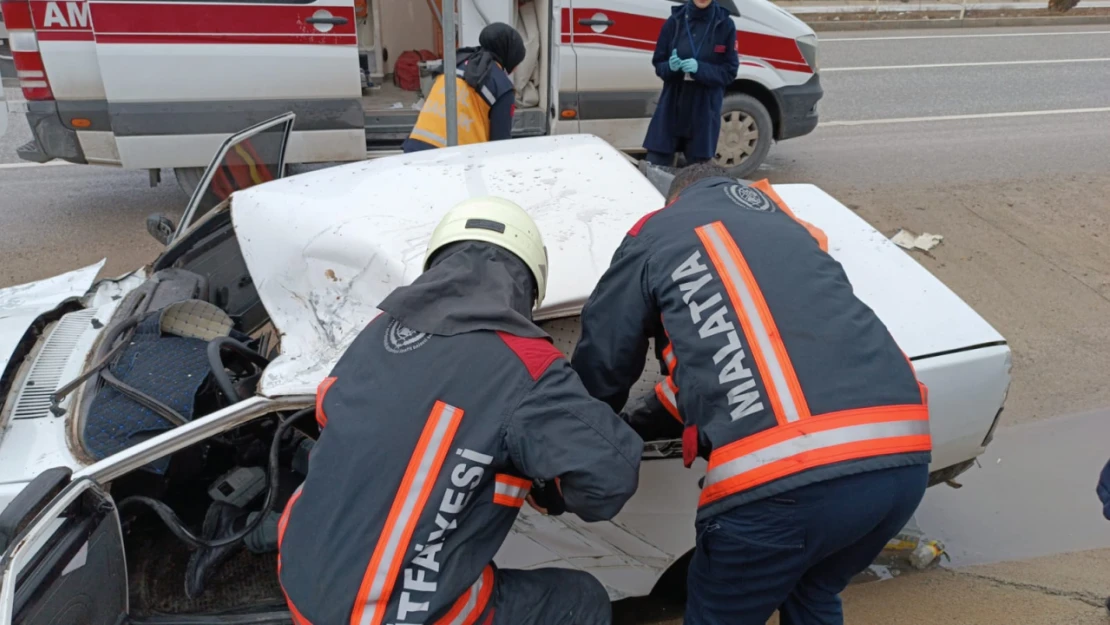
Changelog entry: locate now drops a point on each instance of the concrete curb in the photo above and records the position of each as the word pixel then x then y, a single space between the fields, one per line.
pixel 971 22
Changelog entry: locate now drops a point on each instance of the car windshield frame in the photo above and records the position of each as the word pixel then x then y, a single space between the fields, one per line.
pixel 189 216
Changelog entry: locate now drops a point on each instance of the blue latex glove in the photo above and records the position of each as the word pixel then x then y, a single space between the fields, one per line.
pixel 690 66
pixel 1104 490
pixel 675 62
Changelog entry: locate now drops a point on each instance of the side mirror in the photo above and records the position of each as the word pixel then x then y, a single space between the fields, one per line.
pixel 160 227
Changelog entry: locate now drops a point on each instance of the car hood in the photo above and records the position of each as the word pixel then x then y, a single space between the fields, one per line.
pixel 324 248
pixel 21 305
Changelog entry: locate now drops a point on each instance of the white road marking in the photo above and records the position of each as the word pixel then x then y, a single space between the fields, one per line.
pixel 946 118
pixel 982 35
pixel 974 64
pixel 54 163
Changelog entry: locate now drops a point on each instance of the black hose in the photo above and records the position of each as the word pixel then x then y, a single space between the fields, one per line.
pixel 216 363
pixel 174 523
pixel 142 398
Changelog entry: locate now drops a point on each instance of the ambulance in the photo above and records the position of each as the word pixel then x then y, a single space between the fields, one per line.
pixel 153 84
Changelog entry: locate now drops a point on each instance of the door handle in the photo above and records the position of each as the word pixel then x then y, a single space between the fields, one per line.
pixel 334 21
pixel 595 22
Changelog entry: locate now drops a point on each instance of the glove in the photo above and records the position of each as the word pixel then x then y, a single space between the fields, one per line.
pixel 675 62
pixel 547 498
pixel 648 418
pixel 690 66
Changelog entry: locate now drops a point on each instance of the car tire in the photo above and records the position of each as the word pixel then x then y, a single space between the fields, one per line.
pixel 188 178
pixel 746 135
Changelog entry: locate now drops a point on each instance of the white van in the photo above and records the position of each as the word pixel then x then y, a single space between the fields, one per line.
pixel 151 84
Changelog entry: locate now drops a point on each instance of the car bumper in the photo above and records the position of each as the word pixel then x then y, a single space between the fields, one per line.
pixel 798 107
pixel 51 137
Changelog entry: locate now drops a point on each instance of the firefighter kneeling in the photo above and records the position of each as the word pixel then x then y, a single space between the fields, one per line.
pixel 435 425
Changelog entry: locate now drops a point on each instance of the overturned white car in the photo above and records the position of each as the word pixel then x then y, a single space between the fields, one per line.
pixel 171 383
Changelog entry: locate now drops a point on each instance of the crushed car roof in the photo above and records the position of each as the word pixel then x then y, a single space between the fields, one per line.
pixel 324 248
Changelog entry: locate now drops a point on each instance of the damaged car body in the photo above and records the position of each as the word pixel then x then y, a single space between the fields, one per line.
pixel 182 385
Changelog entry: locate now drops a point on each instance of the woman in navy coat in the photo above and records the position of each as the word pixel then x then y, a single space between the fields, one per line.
pixel 696 58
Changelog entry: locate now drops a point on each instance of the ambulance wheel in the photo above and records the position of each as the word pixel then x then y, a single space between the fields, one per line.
pixel 746 134
pixel 188 178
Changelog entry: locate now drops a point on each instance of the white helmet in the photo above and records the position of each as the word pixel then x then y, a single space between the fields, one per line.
pixel 500 222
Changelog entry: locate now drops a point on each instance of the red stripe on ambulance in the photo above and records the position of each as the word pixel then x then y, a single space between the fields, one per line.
pixel 640 32
pixel 133 22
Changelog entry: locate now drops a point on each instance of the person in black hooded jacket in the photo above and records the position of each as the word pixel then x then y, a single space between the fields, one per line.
pixel 696 58
pixel 486 98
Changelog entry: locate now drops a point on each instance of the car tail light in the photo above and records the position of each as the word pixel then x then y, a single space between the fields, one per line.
pixel 25 50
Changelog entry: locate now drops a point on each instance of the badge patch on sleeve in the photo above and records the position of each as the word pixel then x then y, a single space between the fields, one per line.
pixel 399 339
pixel 749 198
pixel 719 49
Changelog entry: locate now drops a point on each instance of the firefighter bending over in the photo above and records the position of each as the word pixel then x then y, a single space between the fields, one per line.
pixel 436 424
pixel 812 419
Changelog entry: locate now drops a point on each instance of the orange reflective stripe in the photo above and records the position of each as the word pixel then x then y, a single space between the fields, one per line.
pixel 283 522
pixel 510 491
pixel 788 449
pixel 468 607
pixel 321 390
pixel 815 232
pixel 668 358
pixel 298 618
pixel 420 476
pixel 920 385
pixel 830 421
pixel 777 372
pixel 665 390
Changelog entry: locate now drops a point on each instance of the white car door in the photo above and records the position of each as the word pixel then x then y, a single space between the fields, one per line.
pixel 180 77
pixel 617 87
pixel 64 558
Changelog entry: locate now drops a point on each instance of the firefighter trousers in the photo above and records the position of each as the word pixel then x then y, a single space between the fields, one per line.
pixel 796 551
pixel 549 597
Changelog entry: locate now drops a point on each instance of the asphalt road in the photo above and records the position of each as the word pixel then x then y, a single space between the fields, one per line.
pixel 869 77
pixel 1009 161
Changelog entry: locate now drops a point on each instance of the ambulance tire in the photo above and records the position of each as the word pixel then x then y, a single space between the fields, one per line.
pixel 188 178
pixel 746 135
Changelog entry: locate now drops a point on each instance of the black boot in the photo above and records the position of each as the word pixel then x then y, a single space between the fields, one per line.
pixel 221 520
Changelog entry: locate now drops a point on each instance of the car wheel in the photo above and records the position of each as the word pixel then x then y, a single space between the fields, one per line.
pixel 746 135
pixel 188 178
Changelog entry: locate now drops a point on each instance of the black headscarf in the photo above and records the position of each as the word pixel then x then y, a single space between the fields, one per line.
pixel 498 43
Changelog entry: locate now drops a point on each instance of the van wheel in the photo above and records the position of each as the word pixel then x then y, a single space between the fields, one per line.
pixel 188 178
pixel 746 134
